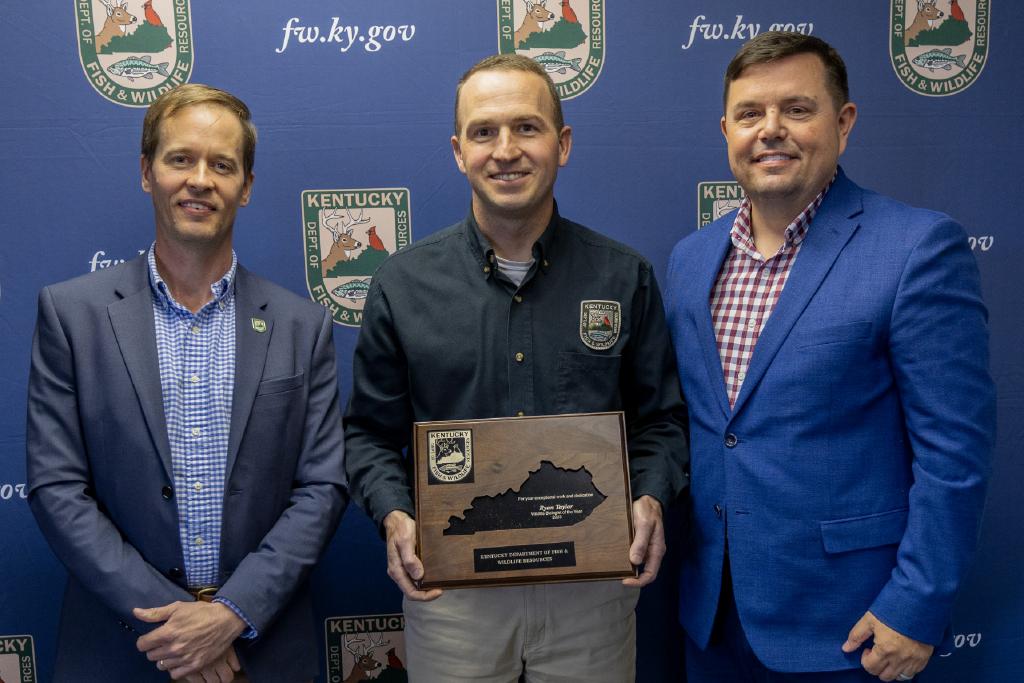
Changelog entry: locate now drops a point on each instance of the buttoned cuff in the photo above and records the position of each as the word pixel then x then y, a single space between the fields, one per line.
pixel 250 633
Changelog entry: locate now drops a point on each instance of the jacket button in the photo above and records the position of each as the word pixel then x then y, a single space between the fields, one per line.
pixel 718 510
pixel 167 492
pixel 731 440
pixel 175 573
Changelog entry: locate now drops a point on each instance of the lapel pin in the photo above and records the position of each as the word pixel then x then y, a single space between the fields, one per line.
pixel 259 325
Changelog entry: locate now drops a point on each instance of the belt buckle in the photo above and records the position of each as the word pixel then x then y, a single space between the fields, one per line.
pixel 204 593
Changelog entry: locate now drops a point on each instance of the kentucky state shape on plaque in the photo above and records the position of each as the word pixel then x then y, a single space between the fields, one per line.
pixel 551 496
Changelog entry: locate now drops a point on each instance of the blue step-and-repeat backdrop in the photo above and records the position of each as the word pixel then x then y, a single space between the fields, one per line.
pixel 353 100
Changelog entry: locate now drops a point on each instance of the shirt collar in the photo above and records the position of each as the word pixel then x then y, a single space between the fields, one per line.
pixel 795 232
pixel 542 248
pixel 222 288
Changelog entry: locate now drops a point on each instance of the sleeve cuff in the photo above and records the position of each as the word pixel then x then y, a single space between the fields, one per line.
pixel 250 633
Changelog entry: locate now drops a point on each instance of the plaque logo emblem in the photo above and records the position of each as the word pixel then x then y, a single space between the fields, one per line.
pixel 938 47
pixel 366 648
pixel 717 198
pixel 132 51
pixel 18 659
pixel 600 322
pixel 450 456
pixel 566 37
pixel 347 234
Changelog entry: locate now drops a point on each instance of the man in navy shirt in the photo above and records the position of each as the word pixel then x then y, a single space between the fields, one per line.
pixel 490 318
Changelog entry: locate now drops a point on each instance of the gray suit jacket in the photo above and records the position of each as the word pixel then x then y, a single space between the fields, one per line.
pixel 100 483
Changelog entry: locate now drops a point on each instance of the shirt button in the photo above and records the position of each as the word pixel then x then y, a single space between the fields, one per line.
pixel 741 376
pixel 546 263
pixel 518 299
pixel 487 269
pixel 220 305
pixel 198 486
pixel 199 540
pixel 731 440
pixel 194 379
pixel 519 356
pixel 520 413
pixel 195 431
pixel 751 324
pixel 195 329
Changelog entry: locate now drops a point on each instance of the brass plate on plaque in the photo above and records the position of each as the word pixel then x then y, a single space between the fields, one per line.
pixel 523 500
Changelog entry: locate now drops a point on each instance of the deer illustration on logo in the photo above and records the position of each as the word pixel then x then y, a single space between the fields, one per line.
pixel 536 14
pixel 116 24
pixel 364 659
pixel 345 244
pixel 927 15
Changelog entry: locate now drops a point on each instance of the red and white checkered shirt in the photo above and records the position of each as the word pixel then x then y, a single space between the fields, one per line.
pixel 747 289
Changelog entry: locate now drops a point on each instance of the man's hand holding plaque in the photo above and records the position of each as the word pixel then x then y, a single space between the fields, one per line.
pixel 648 546
pixel 404 566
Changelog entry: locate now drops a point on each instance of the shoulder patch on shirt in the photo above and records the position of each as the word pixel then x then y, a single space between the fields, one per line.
pixel 600 322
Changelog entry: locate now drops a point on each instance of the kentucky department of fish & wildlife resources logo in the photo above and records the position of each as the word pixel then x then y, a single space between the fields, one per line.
pixel 600 322
pixel 450 456
pixel 366 648
pixel 566 37
pixel 939 47
pixel 132 51
pixel 347 234
pixel 17 659
pixel 717 198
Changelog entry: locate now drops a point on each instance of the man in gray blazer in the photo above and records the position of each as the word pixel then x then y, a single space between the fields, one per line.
pixel 184 439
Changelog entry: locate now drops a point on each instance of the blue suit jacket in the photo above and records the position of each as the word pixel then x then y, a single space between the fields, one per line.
pixel 852 469
pixel 99 471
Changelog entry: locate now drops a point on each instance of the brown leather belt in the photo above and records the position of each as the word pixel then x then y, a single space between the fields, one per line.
pixel 204 593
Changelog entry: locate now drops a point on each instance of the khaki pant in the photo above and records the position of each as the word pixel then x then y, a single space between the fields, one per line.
pixel 551 633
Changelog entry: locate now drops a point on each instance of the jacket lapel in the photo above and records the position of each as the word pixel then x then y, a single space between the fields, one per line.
pixel 831 229
pixel 131 316
pixel 710 265
pixel 253 328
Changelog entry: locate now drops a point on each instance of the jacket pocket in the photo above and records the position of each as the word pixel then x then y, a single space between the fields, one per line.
pixel 279 385
pixel 869 531
pixel 835 334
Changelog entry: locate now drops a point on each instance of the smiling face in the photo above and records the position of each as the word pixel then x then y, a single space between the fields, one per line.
pixel 508 146
pixel 784 132
pixel 196 178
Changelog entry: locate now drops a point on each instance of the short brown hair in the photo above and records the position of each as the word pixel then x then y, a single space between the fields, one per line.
pixel 512 62
pixel 187 95
pixel 772 46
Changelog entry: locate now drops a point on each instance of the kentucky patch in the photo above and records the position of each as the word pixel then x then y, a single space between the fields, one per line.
pixel 600 322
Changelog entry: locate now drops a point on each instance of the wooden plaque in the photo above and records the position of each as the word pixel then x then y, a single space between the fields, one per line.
pixel 523 500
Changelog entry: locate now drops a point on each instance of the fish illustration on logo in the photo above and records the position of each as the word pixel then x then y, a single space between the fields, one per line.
pixel 939 47
pixel 939 59
pixel 555 62
pixel 568 42
pixel 138 67
pixel 128 53
pixel 347 235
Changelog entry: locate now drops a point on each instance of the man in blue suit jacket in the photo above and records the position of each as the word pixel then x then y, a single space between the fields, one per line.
pixel 184 439
pixel 832 346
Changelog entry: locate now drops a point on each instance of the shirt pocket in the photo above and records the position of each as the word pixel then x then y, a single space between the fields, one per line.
pixel 835 334
pixel 867 531
pixel 588 383
pixel 279 385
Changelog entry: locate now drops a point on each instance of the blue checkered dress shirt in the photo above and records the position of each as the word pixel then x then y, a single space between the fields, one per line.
pixel 197 378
